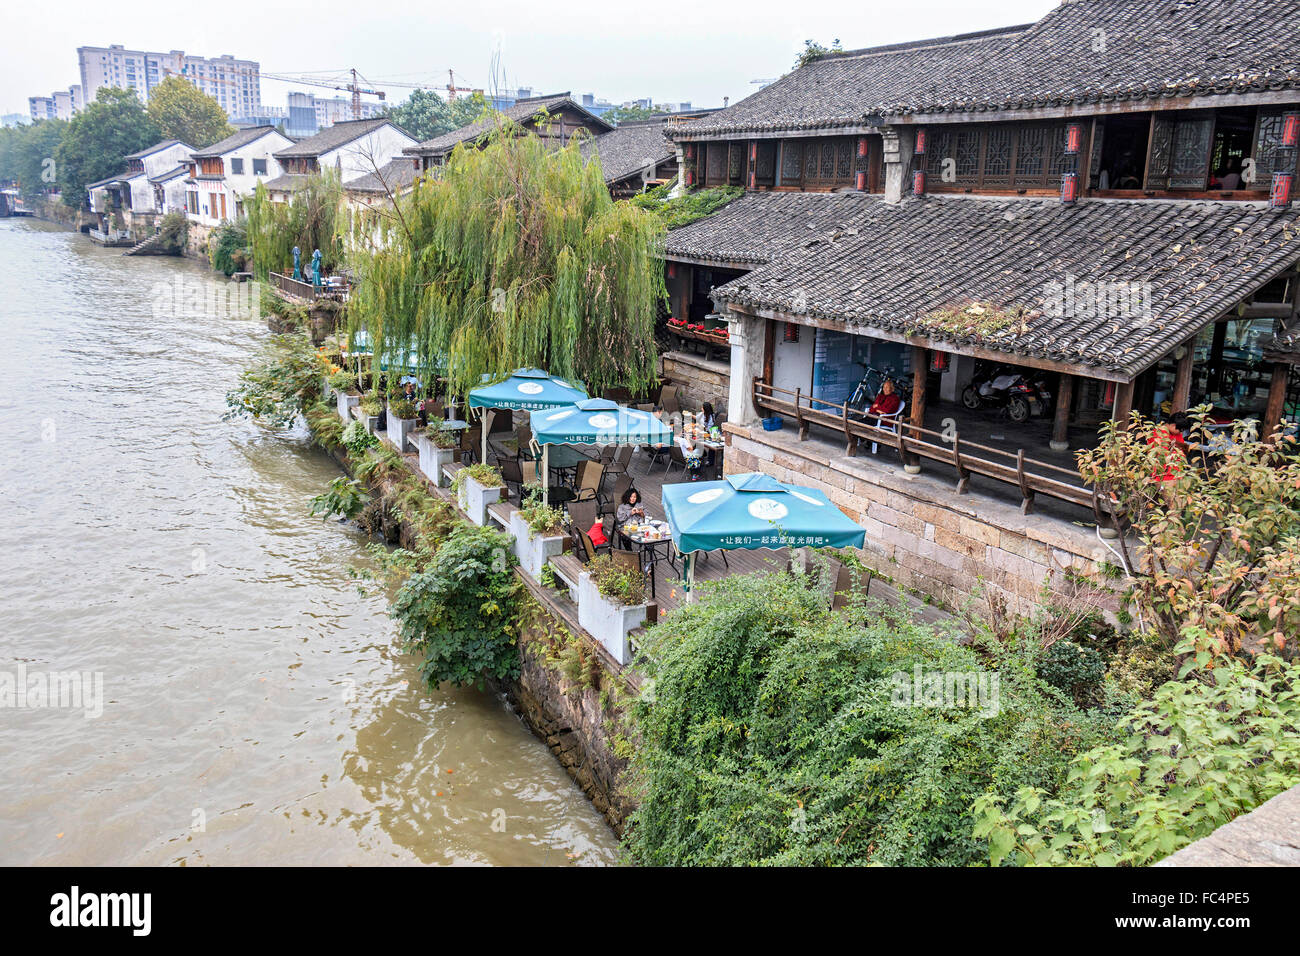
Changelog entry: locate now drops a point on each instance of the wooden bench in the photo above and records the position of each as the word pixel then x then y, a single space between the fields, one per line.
pixel 500 512
pixel 450 469
pixel 568 569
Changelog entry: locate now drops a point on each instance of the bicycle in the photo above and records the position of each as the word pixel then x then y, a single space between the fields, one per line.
pixel 869 387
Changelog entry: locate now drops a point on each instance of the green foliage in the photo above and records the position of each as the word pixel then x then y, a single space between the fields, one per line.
pixel 174 228
pixel 424 114
pixel 483 473
pixel 227 246
pixel 814 51
pixel 98 140
pixel 372 403
pixel 542 519
pixel 27 155
pixel 514 256
pixel 1199 754
pixel 342 380
pixel 777 733
pixel 626 585
pixel 356 439
pixel 277 386
pixel 687 208
pixel 402 408
pixel 180 110
pixel 1074 669
pixel 459 614
pixel 1220 563
pixel 323 420
pixel 345 498
pixel 309 221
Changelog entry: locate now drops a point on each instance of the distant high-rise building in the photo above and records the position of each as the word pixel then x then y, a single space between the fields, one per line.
pixel 41 107
pixel 235 84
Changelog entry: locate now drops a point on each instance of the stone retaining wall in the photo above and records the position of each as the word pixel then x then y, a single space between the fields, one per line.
pixel 924 535
pixel 698 379
pixel 1267 836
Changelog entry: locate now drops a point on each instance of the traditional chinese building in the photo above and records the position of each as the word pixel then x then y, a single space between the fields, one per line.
pixel 1098 202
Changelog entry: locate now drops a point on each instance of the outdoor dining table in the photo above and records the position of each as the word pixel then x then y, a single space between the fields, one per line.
pixel 647 538
pixel 453 425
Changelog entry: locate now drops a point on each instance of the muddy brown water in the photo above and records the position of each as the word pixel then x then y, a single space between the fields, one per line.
pixel 255 709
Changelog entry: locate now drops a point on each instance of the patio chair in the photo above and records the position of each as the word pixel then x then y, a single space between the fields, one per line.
pixel 512 474
pixel 469 445
pixel 889 423
pixel 620 462
pixel 629 560
pixel 587 486
pixel 669 400
pixel 608 504
pixel 675 457
pixel 590 547
pixel 583 514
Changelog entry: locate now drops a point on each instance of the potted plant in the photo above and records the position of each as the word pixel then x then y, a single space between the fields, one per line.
pixel 437 449
pixel 372 407
pixel 611 602
pixel 344 384
pixel 539 535
pixel 477 487
pixel 401 421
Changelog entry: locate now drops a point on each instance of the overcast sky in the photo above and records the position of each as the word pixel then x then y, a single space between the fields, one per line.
pixel 671 51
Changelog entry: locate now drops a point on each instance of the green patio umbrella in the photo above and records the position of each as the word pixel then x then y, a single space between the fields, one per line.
pixel 528 389
pixel 751 511
pixel 595 421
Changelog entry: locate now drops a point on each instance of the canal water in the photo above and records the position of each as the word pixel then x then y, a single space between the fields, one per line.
pixel 254 707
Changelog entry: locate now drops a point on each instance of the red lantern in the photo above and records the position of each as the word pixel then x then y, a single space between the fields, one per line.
pixel 938 361
pixel 1073 138
pixel 918 182
pixel 1291 130
pixel 862 146
pixel 791 333
pixel 672 270
pixel 1069 189
pixel 920 141
pixel 1280 196
pixel 861 180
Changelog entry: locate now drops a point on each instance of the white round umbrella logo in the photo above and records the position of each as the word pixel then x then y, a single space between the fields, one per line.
pixel 603 421
pixel 704 497
pixel 768 509
pixel 529 388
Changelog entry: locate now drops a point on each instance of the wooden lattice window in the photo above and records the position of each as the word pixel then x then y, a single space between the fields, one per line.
pixel 1180 152
pixel 736 164
pixel 791 162
pixel 715 168
pixel 765 164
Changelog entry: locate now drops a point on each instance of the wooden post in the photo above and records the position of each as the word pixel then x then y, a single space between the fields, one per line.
pixel 1123 403
pixel 1216 357
pixel 1276 401
pixel 769 350
pixel 1061 424
pixel 920 374
pixel 1182 396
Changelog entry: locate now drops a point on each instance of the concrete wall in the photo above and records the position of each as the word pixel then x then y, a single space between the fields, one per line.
pixel 1267 836
pixel 920 532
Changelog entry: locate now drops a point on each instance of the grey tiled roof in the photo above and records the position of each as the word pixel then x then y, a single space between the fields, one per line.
pixel 1082 52
pixel 522 110
pixel 288 182
pixel 239 138
pixel 870 264
pixel 164 144
pixel 171 174
pixel 629 148
pixel 396 174
pixel 332 137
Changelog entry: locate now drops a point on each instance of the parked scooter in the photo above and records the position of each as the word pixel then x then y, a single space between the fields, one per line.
pixel 1007 388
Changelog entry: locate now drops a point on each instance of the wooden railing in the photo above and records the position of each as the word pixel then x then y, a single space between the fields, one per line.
pixel 292 286
pixel 913 443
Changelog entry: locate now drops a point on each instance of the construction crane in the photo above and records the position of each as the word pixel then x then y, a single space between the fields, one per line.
pixel 354 87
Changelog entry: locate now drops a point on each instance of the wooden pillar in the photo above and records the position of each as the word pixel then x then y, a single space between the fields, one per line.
pixel 1123 403
pixel 1182 397
pixel 1276 401
pixel 1061 423
pixel 769 350
pixel 920 374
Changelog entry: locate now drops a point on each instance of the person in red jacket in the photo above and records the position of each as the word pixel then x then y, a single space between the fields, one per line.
pixel 887 403
pixel 1168 436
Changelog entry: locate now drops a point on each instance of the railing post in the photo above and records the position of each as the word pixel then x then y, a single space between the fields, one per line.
pixel 1027 505
pixel 963 476
pixel 798 414
pixel 850 440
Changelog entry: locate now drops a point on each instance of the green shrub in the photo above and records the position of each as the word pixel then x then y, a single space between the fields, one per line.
pixel 1197 755
pixel 779 732
pixel 483 473
pixel 615 581
pixel 542 519
pixel 402 408
pixel 226 247
pixel 343 380
pixel 345 498
pixel 277 387
pixel 1075 670
pixel 459 614
pixel 356 439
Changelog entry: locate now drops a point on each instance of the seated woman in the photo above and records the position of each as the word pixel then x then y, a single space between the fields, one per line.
pixel 887 403
pixel 630 509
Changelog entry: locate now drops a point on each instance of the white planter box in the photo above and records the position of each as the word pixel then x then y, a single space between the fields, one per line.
pixel 533 551
pixel 474 499
pixel 399 429
pixel 346 403
pixel 433 459
pixel 371 423
pixel 607 620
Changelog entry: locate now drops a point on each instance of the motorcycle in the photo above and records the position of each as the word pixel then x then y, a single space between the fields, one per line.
pixel 1010 390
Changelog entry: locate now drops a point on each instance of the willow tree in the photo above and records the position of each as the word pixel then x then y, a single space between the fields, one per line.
pixel 515 256
pixel 309 220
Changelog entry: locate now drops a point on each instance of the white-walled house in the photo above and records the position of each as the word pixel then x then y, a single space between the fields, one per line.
pixel 354 149
pixel 222 176
pixel 134 190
